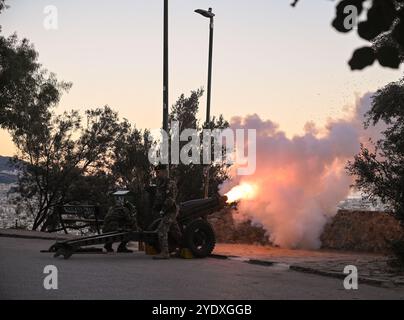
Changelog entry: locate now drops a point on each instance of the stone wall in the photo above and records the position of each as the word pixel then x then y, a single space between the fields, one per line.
pixel 228 231
pixel 361 231
pixel 365 231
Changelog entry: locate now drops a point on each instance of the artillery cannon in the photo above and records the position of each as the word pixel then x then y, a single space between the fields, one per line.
pixel 197 233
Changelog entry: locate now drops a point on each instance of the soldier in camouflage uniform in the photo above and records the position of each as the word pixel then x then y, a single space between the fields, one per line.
pixel 122 216
pixel 165 204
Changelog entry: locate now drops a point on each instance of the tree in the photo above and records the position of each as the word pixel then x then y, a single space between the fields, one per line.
pixel 27 91
pixel 379 173
pixel 130 163
pixel 91 189
pixel 55 155
pixel 383 28
pixel 185 112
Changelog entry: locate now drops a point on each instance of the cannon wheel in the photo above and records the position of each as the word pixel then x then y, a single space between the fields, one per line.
pixel 199 237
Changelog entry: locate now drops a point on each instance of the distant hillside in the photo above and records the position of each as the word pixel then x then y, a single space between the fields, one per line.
pixel 5 163
pixel 8 172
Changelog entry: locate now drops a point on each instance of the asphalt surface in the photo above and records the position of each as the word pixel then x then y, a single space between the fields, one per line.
pixel 137 276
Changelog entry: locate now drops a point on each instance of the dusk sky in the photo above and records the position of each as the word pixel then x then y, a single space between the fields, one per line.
pixel 285 64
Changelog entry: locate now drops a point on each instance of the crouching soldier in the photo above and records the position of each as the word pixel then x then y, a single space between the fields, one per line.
pixel 122 216
pixel 165 204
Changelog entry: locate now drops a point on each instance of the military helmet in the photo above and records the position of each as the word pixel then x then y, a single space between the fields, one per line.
pixel 123 196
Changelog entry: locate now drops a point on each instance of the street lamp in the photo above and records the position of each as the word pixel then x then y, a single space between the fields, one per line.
pixel 210 15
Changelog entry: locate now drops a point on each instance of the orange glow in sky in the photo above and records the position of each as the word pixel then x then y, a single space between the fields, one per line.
pixel 285 64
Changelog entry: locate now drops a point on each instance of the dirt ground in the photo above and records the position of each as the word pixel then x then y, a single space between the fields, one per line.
pixel 289 255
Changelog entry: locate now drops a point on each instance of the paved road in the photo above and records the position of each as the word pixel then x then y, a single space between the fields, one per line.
pixel 136 276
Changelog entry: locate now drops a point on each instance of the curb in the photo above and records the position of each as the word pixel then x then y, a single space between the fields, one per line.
pixel 219 256
pixel 330 274
pixel 10 234
pixel 265 263
pixel 262 262
pixel 337 275
pixel 318 272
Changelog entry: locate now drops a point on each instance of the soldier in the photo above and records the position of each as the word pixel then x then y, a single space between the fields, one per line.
pixel 165 204
pixel 122 216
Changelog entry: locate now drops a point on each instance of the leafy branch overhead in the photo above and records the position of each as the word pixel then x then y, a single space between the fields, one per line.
pixel 2 5
pixel 381 23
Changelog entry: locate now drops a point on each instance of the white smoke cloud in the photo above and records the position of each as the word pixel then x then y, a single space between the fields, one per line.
pixel 301 180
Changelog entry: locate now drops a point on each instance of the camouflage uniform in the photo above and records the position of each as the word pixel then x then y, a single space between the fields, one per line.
pixel 165 202
pixel 120 217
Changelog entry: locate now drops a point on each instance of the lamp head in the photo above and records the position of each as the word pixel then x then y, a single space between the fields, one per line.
pixel 206 13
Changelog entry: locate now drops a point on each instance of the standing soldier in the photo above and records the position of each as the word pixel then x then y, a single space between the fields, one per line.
pixel 165 204
pixel 122 216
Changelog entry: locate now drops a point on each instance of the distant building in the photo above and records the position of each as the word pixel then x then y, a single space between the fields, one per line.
pixel 356 202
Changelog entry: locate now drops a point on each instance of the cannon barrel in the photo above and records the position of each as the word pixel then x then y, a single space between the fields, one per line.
pixel 201 207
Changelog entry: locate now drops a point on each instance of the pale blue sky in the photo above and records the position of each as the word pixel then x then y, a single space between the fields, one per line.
pixel 285 64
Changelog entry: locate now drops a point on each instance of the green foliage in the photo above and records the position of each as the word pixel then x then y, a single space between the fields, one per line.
pixel 190 178
pixel 130 167
pixel 59 157
pixel 26 90
pixel 90 189
pixel 2 5
pixel 69 159
pixel 362 58
pixel 383 27
pixel 380 172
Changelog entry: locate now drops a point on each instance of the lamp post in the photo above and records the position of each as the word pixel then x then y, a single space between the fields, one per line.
pixel 165 68
pixel 165 76
pixel 210 15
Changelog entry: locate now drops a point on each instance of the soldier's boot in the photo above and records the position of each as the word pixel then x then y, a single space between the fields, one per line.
pixel 122 248
pixel 176 253
pixel 108 247
pixel 162 256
